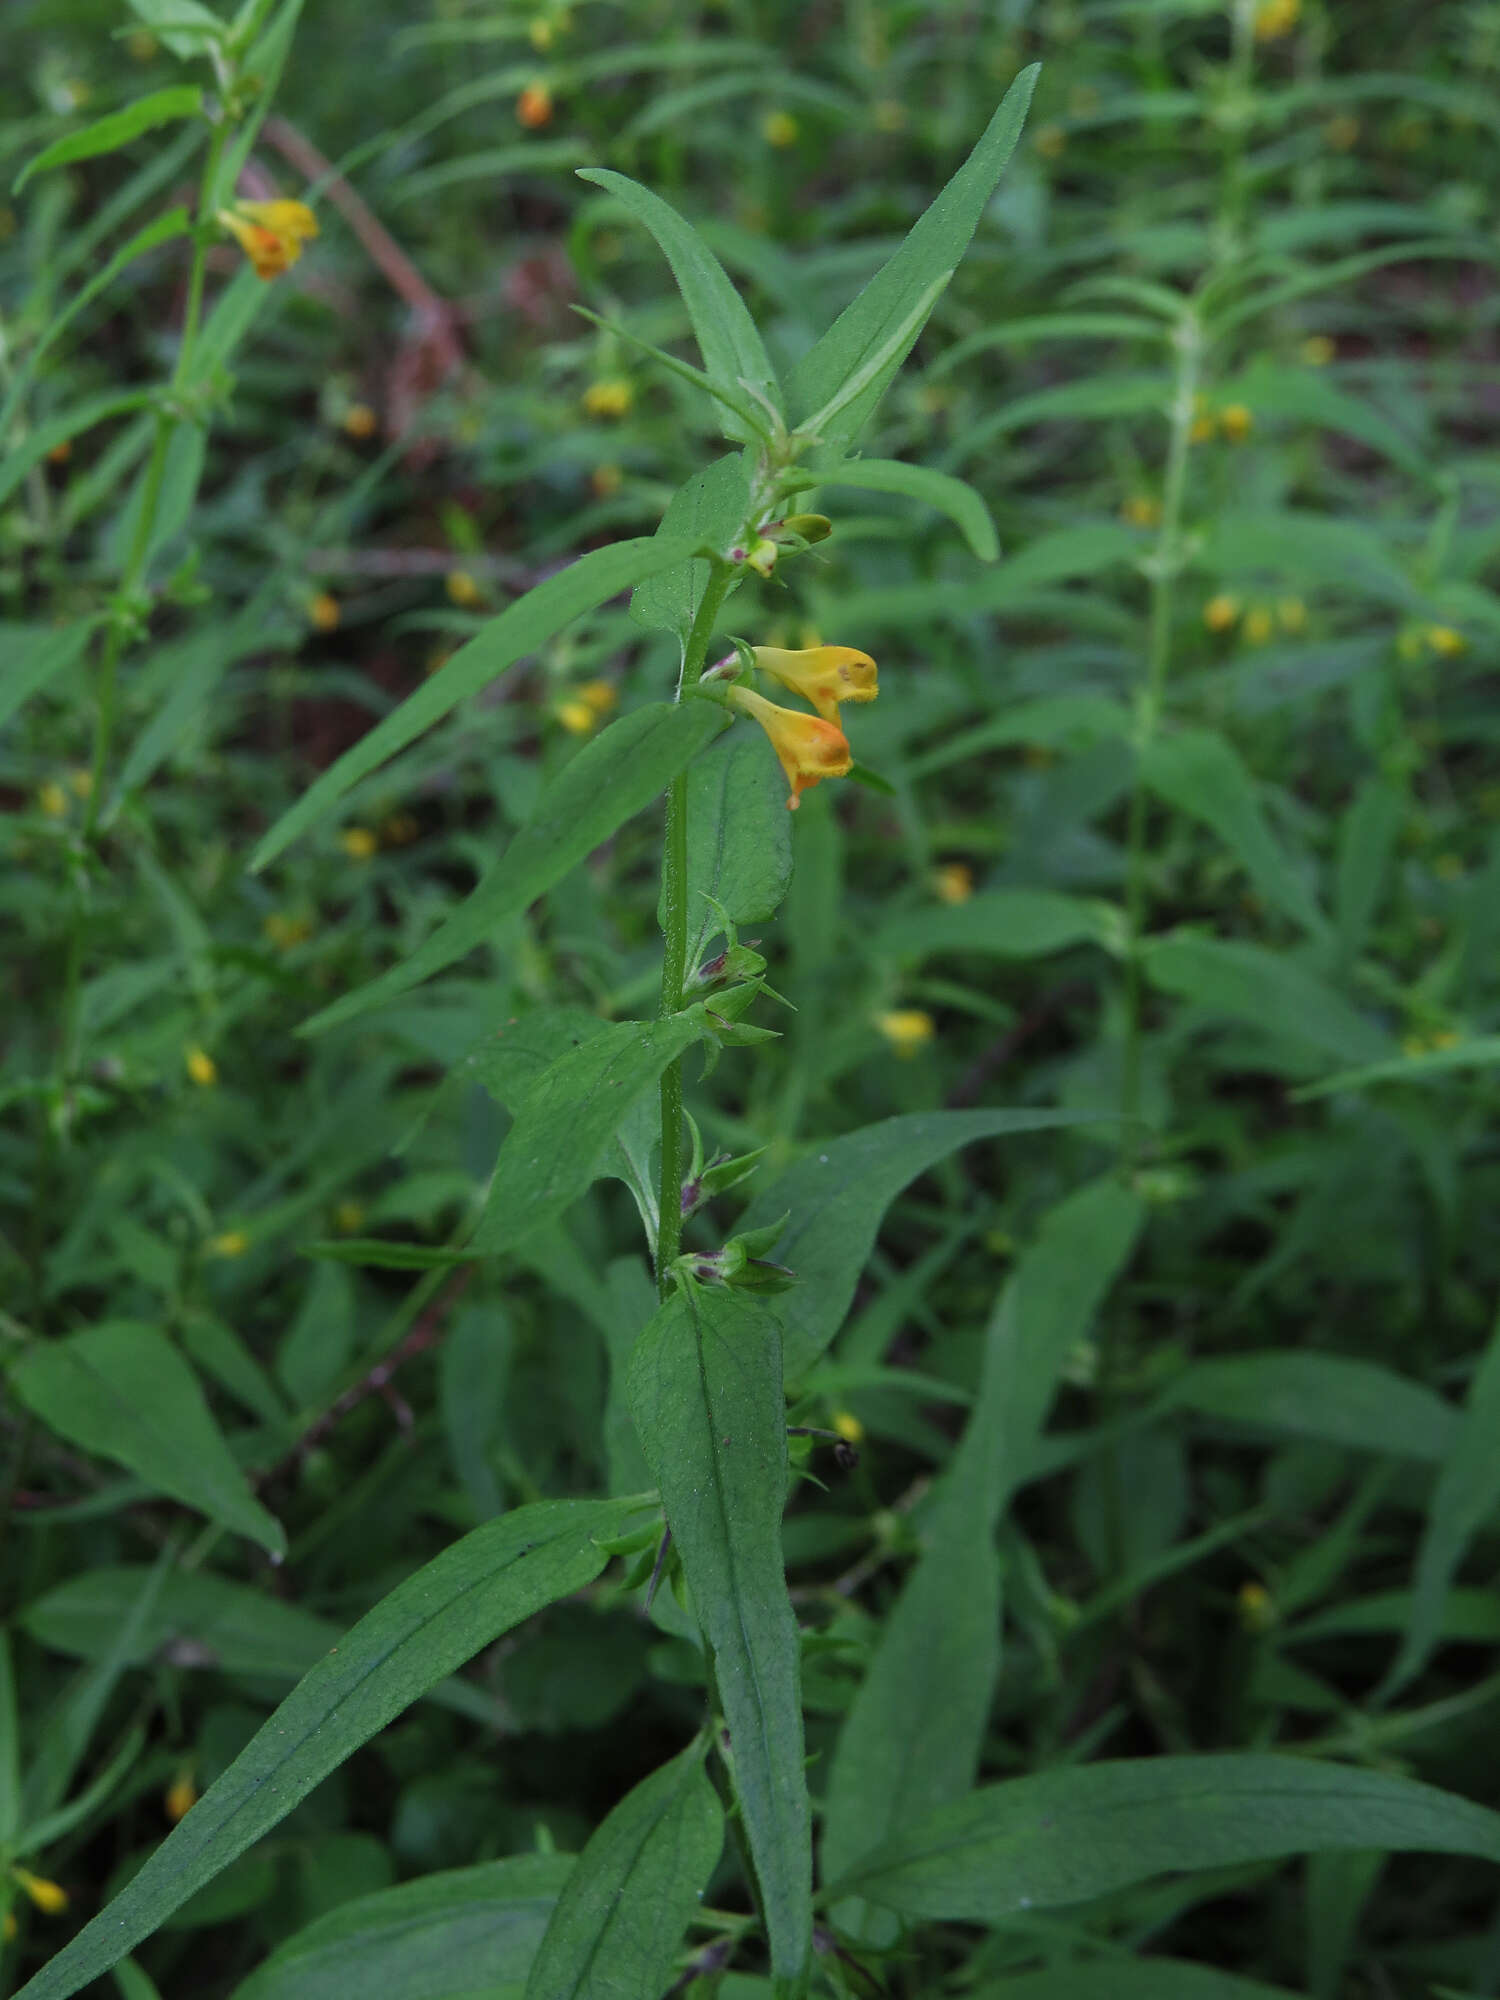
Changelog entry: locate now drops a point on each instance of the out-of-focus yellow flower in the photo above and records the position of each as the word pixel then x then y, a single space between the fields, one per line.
pixel 271 233
pixel 849 1427
pixel 228 1243
pixel 399 829
pixel 954 882
pixel 822 675
pixel 907 1029
pixel 51 1898
pixel 601 696
pixel 462 589
pixel 323 611
pixel 1050 141
pixel 809 747
pixel 61 452
pixel 181 1797
pixel 1318 350
pixel 606 481
pixel 534 106
pixel 358 842
pixel 576 716
pixel 1291 614
pixel 1257 1607
pixel 52 799
pixel 360 421
pixel 779 129
pixel 284 931
pixel 1259 625
pixel 1275 18
pixel 1221 612
pixel 348 1217
pixel 201 1067
pixel 1141 510
pixel 1342 132
pixel 611 397
pixel 1445 640
pixel 1236 422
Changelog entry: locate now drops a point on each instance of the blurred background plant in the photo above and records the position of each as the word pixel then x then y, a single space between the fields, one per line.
pixel 1188 809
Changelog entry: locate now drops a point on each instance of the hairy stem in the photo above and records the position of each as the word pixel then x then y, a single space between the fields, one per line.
pixel 674 932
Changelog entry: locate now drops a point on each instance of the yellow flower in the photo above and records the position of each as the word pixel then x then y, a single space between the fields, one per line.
pixel 610 397
pixel 348 1216
pixel 323 611
pixel 534 106
pixel 822 675
pixel 1050 141
pixel 1221 612
pixel 1141 510
pixel 1318 350
pixel 201 1066
pixel 1259 625
pixel 809 747
pixel 848 1426
pixel 358 842
pixel 1291 614
pixel 1445 640
pixel 1257 1607
pixel 360 420
pixel 462 589
pixel 49 1897
pixel 907 1029
pixel 52 799
pixel 599 695
pixel 1235 421
pixel 779 129
pixel 1275 18
pixel 271 233
pixel 954 882
pixel 576 716
pixel 230 1243
pixel 181 1797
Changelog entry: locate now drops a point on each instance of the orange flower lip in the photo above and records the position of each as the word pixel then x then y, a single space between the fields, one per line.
pixel 810 748
pixel 271 233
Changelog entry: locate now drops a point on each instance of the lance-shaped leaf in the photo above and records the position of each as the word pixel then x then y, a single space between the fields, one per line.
pixel 739 838
pixel 636 1887
pixel 924 483
pixel 106 135
pixel 616 775
pixel 892 303
pixel 429 1625
pixel 518 631
pixel 706 1395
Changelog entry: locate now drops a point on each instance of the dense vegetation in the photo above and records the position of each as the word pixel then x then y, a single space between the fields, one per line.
pixel 1022 1521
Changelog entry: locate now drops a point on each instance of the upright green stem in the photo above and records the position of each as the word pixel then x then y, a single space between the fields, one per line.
pixel 1165 567
pixel 674 932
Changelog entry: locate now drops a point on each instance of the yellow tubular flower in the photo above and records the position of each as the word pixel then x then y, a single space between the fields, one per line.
pixel 49 1897
pixel 576 716
pixel 462 589
pixel 182 1796
pixel 848 1426
pixel 1221 612
pixel 823 675
pixel 907 1029
pixel 810 748
pixel 201 1067
pixel 1236 422
pixel 271 233
pixel 599 696
pixel 358 842
pixel 954 882
pixel 1444 639
pixel 232 1243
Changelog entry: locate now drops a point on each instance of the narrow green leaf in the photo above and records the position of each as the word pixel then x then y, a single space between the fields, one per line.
pixel 1117 1978
pixel 1263 990
pixel 709 511
pixel 35 655
pixel 1465 1497
pixel 616 775
pixel 924 483
pixel 929 254
pixel 706 1396
pixel 105 135
pixel 739 838
pixel 1068 1835
pixel 838 1193
pixel 10 1748
pixel 122 1390
pixel 429 1625
pixel 1480 1052
pixel 1200 774
pixel 375 1253
pixel 567 1121
pixel 1337 1400
pixel 635 1889
pixel 33 448
pixel 518 631
pixel 1001 923
pixel 461 1931
pixel 187 28
pixel 728 339
pixel 1304 394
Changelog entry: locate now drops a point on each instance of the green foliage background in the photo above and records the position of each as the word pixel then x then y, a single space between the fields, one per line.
pixel 1133 1114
